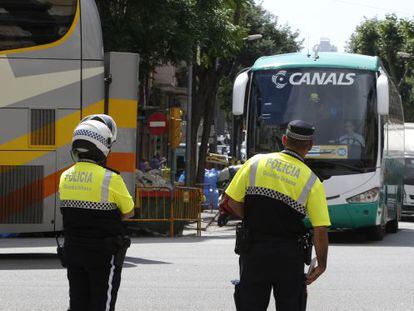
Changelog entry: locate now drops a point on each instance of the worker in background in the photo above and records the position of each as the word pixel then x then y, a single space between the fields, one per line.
pixel 94 200
pixel 273 193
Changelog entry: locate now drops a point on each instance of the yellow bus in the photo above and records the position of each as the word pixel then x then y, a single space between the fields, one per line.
pixel 53 72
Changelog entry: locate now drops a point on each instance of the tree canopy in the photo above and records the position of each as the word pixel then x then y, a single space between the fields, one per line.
pixel 208 33
pixel 385 38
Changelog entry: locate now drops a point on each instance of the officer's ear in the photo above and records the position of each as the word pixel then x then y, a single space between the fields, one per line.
pixel 284 140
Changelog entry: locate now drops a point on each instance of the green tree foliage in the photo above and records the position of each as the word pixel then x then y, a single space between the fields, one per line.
pixel 160 31
pixel 384 38
pixel 208 33
pixel 223 58
pixel 276 39
pixel 218 40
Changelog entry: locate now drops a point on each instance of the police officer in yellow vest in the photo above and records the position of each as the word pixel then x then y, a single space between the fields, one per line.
pixel 273 193
pixel 94 200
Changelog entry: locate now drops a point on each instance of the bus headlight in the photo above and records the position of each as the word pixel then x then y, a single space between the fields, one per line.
pixel 365 197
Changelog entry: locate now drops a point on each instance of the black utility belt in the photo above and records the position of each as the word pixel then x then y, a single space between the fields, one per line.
pixel 274 239
pixel 112 244
pixel 245 239
pixel 117 245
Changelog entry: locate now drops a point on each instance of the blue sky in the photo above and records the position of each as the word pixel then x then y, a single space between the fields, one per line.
pixel 334 19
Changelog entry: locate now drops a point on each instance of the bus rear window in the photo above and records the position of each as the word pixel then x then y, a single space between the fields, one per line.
pixel 27 23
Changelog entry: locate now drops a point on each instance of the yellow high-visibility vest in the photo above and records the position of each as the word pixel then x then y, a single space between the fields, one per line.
pixel 90 186
pixel 284 178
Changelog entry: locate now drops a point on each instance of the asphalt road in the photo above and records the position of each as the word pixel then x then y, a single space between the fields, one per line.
pixel 192 273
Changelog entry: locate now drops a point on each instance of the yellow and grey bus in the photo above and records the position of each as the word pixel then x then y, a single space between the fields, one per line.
pixel 52 73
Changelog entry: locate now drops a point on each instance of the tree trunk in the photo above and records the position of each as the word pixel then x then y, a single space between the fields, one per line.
pixel 393 69
pixel 208 121
pixel 196 117
pixel 208 90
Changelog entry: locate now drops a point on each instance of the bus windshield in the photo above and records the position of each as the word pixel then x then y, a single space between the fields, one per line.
pixel 339 102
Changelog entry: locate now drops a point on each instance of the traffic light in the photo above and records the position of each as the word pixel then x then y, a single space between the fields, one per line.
pixel 175 127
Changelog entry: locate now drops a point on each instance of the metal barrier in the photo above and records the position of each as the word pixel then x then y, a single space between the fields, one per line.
pixel 168 205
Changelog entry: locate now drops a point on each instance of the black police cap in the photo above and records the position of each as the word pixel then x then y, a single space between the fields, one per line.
pixel 300 130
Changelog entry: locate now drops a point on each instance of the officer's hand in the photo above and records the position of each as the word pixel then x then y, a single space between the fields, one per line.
pixel 223 219
pixel 314 274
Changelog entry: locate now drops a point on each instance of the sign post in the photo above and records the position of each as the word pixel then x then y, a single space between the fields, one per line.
pixel 157 123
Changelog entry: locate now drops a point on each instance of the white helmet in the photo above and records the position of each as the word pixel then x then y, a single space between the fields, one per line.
pixel 104 118
pixel 92 140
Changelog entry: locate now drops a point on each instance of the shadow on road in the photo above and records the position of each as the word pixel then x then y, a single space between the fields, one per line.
pixel 403 238
pixel 17 243
pixel 50 261
pixel 135 261
pixel 32 261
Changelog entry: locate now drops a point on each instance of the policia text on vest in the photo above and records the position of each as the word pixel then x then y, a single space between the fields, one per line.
pixel 93 201
pixel 273 193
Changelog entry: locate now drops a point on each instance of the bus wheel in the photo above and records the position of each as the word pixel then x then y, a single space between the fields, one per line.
pixel 392 226
pixel 376 233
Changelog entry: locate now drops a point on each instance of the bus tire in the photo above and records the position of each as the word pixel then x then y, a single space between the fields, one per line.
pixel 376 233
pixel 392 226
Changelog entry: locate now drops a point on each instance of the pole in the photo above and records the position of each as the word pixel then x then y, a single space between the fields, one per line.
pixel 188 181
pixel 173 166
pixel 234 138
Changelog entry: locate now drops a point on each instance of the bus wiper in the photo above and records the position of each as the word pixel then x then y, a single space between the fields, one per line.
pixel 324 164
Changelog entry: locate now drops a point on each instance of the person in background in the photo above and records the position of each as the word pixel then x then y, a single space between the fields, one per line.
pixel 351 137
pixel 155 162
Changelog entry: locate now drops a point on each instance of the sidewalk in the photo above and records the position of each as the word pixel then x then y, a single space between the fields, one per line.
pixel 209 225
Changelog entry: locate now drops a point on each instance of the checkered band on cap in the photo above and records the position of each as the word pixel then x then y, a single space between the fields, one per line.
pixel 277 196
pixel 93 135
pixel 293 135
pixel 104 206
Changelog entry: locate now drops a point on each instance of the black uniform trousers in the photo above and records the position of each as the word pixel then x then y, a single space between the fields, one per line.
pixel 268 265
pixel 94 278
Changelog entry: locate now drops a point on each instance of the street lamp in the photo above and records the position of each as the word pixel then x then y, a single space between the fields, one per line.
pixel 188 151
pixel 253 37
pixel 236 128
pixel 405 55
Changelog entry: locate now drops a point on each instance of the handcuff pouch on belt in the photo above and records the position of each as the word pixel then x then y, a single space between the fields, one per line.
pixel 243 239
pixel 306 244
pixel 118 246
pixel 59 251
pixel 61 255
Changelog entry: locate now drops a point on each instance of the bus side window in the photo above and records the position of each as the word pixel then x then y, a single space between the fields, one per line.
pixel 29 23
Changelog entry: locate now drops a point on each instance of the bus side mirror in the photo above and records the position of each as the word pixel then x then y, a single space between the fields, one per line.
pixel 383 95
pixel 239 93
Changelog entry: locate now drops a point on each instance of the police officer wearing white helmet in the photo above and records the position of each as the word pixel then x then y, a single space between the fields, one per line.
pixel 94 200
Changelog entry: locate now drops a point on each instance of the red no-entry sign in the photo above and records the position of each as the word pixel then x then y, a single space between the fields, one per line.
pixel 157 123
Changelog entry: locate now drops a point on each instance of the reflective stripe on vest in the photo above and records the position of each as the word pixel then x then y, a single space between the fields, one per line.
pixel 306 190
pixel 298 204
pixel 104 206
pixel 277 196
pixel 253 171
pixel 105 186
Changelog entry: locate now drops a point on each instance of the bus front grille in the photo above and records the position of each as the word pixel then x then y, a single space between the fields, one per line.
pixel 21 194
